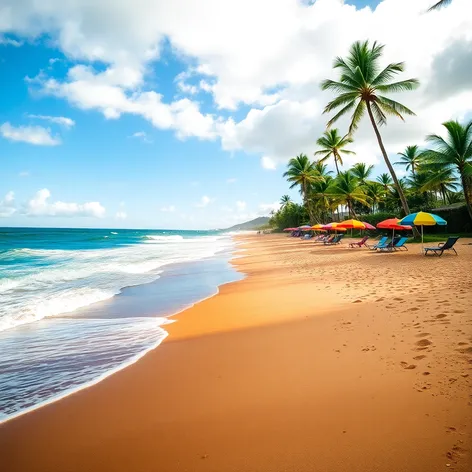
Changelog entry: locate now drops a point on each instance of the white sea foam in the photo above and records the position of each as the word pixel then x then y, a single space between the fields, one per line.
pixel 64 281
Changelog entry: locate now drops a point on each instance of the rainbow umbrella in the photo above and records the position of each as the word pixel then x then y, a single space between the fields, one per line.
pixel 335 227
pixel 422 218
pixel 305 228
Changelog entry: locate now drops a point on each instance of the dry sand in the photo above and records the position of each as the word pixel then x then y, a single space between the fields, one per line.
pixel 322 359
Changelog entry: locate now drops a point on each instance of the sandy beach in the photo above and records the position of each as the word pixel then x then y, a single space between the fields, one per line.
pixel 321 359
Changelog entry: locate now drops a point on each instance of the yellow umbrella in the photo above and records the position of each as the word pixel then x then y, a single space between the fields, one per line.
pixel 353 224
pixel 318 226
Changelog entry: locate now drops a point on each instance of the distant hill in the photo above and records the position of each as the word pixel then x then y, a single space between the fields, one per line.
pixel 250 225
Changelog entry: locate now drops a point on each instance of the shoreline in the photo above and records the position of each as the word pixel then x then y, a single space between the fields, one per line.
pixel 253 373
pixel 226 254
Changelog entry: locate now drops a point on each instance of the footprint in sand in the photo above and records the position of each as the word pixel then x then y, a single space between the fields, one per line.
pixel 422 335
pixel 459 311
pixel 441 315
pixel 414 309
pixel 418 358
pixel 466 350
pixel 405 365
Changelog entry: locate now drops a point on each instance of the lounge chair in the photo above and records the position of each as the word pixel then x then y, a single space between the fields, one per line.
pixel 441 247
pixel 326 240
pixel 381 243
pixel 360 243
pixel 336 240
pixel 400 244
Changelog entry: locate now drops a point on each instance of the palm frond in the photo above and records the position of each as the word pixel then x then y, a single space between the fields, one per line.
pixel 392 107
pixel 357 116
pixel 388 73
pixel 440 4
pixel 341 112
pixel 401 86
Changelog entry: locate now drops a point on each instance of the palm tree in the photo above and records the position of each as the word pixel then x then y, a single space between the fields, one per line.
pixel 454 152
pixel 345 190
pixel 333 145
pixel 285 200
pixel 442 180
pixel 376 193
pixel 301 171
pixel 410 158
pixel 321 197
pixel 386 181
pixel 440 4
pixel 362 172
pixel 361 88
pixel 322 169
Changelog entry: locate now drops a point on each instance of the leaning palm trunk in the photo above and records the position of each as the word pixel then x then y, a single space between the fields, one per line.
pixel 405 206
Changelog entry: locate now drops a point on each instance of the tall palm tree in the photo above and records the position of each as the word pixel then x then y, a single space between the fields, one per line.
pixel 345 190
pixel 361 88
pixel 362 172
pixel 333 144
pixel 440 4
pixel 410 158
pixel 322 169
pixel 321 197
pixel 285 200
pixel 454 152
pixel 385 181
pixel 301 172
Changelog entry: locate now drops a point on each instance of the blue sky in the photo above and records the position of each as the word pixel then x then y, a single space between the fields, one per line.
pixel 169 128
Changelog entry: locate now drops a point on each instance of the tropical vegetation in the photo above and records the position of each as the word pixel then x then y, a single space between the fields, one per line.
pixel 437 174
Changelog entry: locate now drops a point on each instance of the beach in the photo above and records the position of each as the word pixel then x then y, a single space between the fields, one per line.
pixel 321 358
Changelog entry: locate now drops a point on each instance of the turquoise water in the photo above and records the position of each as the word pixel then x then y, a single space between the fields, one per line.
pixel 78 304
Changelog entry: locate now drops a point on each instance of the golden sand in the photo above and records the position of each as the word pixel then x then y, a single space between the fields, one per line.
pixel 322 359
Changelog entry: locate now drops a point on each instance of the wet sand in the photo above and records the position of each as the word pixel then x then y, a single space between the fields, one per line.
pixel 323 358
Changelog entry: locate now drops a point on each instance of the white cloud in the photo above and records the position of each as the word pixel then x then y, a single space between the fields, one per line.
pixel 231 180
pixel 266 208
pixel 10 42
pixel 59 120
pixel 7 205
pixel 142 136
pixel 168 209
pixel 40 205
pixel 29 134
pixel 205 201
pixel 121 215
pixel 275 67
pixel 240 205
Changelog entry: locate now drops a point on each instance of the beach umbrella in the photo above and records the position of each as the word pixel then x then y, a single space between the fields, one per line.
pixel 334 227
pixel 368 226
pixel 393 224
pixel 305 228
pixel 422 218
pixel 352 224
pixel 290 229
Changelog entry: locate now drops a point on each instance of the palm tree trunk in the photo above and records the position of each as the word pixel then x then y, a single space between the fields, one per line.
pixel 467 187
pixel 336 162
pixel 405 206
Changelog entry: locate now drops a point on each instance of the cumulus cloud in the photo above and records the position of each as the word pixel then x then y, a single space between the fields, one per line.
pixel 10 42
pixel 121 215
pixel 274 68
pixel 40 205
pixel 168 209
pixel 7 205
pixel 59 120
pixel 204 201
pixel 29 134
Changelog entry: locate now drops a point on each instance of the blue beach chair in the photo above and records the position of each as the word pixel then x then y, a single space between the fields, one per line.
pixel 441 247
pixel 381 243
pixel 400 244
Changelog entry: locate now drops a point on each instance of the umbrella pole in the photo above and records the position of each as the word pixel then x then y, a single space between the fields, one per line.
pixel 422 242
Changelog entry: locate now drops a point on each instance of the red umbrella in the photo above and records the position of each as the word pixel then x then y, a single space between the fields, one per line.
pixel 290 229
pixel 392 224
pixel 368 226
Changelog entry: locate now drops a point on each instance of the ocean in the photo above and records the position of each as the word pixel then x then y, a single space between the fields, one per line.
pixel 79 304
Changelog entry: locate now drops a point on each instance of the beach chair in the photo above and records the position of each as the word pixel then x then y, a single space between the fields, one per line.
pixel 441 247
pixel 336 240
pixel 326 240
pixel 400 244
pixel 360 243
pixel 381 243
